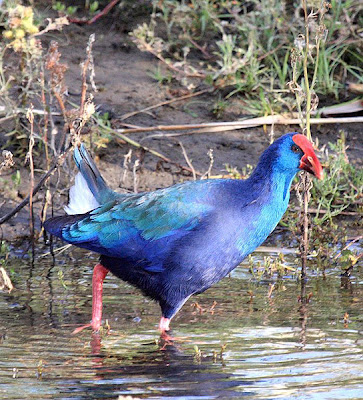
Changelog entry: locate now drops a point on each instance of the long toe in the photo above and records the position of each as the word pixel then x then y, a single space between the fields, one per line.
pixel 79 329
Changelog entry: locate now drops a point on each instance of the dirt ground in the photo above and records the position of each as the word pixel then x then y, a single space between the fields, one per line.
pixel 123 78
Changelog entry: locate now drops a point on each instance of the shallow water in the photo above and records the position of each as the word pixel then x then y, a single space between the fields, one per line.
pixel 246 345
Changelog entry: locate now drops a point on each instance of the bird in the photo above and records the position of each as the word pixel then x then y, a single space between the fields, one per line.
pixel 178 241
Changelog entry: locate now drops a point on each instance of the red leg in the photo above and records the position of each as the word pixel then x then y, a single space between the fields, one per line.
pixel 164 324
pixel 99 274
pixel 165 338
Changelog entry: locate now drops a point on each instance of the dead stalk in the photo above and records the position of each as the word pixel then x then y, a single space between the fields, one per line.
pixel 305 69
pixel 311 100
pixel 164 103
pixel 74 120
pixel 46 119
pixel 190 165
pixel 134 173
pixel 156 54
pixel 30 118
pixel 105 11
pixel 227 126
pixel 56 165
pixel 127 160
pixel 305 184
pixel 207 175
pixel 48 195
pixel 87 64
pixel 136 144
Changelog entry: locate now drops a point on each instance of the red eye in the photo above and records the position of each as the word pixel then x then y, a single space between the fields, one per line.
pixel 295 149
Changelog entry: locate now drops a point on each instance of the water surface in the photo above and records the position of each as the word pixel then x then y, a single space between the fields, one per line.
pixel 237 342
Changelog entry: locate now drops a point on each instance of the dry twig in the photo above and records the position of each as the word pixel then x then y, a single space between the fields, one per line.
pixel 5 282
pixel 105 11
pixel 74 120
pixel 8 161
pixel 248 123
pixel 357 239
pixel 30 117
pixel 163 103
pixel 147 149
pixel 188 160
pixel 56 165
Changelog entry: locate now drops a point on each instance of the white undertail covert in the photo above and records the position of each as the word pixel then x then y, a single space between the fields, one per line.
pixel 81 199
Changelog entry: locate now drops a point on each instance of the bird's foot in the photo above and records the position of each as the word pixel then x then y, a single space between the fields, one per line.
pixel 95 326
pixel 165 340
pixel 99 274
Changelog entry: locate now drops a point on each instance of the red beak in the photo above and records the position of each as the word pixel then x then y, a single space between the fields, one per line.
pixel 309 161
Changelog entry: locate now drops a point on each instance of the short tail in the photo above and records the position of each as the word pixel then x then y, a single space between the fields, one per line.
pixel 91 174
pixel 89 190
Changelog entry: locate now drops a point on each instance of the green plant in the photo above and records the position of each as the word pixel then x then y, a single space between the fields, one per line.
pixel 160 76
pixel 348 260
pixel 270 267
pixel 247 47
pixel 219 108
pixel 19 29
pixel 16 178
pixel 235 174
pixel 341 189
pixel 4 249
pixel 101 127
pixel 61 279
pixel 93 7
pixel 62 8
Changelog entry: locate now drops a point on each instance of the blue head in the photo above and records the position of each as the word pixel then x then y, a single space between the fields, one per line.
pixel 289 154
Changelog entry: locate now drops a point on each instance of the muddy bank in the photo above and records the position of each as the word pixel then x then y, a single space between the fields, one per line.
pixel 125 84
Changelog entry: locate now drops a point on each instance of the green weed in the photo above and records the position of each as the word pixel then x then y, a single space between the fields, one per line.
pixel 338 193
pixel 62 8
pixel 270 267
pixel 4 249
pixel 235 174
pixel 342 188
pixel 219 108
pixel 160 76
pixel 247 47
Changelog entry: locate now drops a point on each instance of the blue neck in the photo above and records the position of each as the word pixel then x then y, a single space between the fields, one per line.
pixel 276 176
pixel 272 200
pixel 280 185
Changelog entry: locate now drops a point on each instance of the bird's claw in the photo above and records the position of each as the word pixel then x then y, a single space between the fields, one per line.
pixel 165 340
pixel 96 328
pixel 80 328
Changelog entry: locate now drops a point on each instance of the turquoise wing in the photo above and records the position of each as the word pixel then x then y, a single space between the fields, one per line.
pixel 143 223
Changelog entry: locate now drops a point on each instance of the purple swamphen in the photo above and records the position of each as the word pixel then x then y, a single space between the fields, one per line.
pixel 179 241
